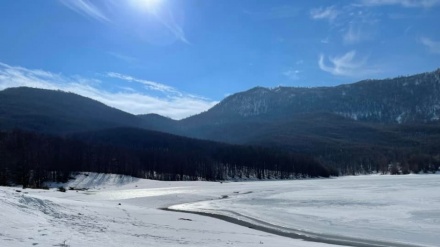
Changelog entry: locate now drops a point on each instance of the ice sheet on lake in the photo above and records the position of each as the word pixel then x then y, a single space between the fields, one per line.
pixel 391 208
pixel 120 211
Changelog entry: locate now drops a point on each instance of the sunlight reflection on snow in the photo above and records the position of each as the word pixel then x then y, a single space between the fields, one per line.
pixel 137 193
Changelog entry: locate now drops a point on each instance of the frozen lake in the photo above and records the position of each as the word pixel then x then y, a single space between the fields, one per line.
pixel 121 211
pixel 400 209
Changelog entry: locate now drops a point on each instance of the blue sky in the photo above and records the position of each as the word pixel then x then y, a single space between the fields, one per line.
pixel 180 57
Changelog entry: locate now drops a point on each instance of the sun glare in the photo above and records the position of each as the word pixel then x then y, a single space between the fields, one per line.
pixel 149 4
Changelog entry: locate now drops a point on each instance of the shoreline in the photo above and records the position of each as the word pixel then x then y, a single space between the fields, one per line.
pixel 296 234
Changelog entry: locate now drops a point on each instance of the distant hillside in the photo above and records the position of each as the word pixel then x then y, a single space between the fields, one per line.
pixel 348 126
pixel 160 123
pixel 58 112
pixel 357 128
pixel 363 111
pixel 411 99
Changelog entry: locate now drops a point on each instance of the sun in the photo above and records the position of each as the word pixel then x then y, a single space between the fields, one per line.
pixel 150 5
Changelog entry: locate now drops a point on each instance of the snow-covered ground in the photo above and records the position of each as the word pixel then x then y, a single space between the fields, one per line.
pixel 395 209
pixel 123 211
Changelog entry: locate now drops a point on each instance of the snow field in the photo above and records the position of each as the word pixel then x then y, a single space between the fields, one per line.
pixel 123 211
pixel 116 213
pixel 394 209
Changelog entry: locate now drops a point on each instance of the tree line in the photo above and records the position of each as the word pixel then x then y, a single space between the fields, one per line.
pixel 31 159
pixel 381 160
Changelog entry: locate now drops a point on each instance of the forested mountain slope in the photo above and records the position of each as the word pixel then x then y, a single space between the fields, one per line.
pixel 410 99
pixel 357 128
pixel 58 112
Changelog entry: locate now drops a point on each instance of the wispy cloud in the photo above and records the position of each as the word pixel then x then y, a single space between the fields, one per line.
pixel 168 20
pixel 355 34
pixel 149 84
pixel 173 104
pixel 107 12
pixel 352 35
pixel 352 23
pixel 346 65
pixel 123 57
pixel 86 8
pixel 433 46
pixel 292 74
pixel 328 13
pixel 404 3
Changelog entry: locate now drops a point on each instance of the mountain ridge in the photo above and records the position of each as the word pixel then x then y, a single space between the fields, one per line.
pixel 393 100
pixel 56 111
pixel 371 123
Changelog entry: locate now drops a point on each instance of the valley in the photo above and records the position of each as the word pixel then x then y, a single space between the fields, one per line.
pixel 169 123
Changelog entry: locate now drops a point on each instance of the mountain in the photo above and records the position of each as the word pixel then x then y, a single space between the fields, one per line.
pixel 157 122
pixel 402 100
pixel 359 127
pixel 411 99
pixel 347 126
pixel 46 135
pixel 58 112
